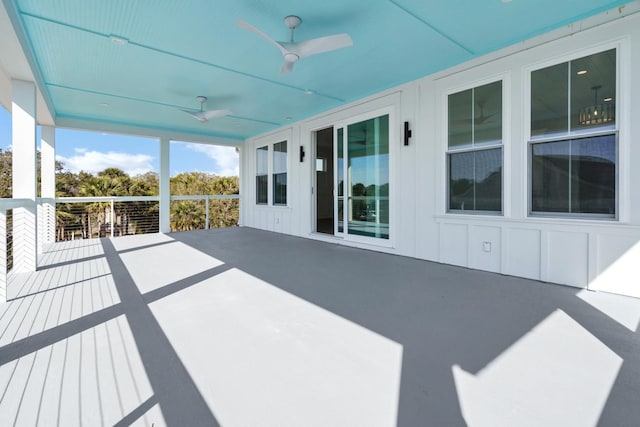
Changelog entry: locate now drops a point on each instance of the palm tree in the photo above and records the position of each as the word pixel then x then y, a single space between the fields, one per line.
pixel 187 215
pixel 109 182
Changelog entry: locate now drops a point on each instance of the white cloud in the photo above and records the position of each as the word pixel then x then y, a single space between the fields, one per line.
pixel 225 158
pixel 95 161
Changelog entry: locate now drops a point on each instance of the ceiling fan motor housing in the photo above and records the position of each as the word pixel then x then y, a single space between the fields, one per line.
pixel 291 57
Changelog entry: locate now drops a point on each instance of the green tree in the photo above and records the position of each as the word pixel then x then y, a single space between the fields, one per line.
pixel 190 215
pixel 132 217
pixel 5 174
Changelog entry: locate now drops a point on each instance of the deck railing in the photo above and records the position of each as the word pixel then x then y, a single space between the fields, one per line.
pixel 90 217
pixel 6 239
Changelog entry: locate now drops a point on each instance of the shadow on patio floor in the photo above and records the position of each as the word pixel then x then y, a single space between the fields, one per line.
pixel 245 327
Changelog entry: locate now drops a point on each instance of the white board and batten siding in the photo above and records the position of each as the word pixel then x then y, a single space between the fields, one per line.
pixel 585 253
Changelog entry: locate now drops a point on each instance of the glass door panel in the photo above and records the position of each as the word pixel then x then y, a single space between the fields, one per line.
pixel 367 172
pixel 339 184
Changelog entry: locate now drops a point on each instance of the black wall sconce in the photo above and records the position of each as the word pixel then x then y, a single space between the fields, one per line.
pixel 407 133
pixel 301 153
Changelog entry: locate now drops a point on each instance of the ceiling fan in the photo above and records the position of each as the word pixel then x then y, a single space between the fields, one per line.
pixel 292 51
pixel 482 118
pixel 204 116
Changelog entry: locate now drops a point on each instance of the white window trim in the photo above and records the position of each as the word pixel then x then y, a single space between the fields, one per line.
pixel 386 103
pixel 269 141
pixel 394 142
pixel 505 78
pixel 272 152
pixel 255 199
pixel 623 180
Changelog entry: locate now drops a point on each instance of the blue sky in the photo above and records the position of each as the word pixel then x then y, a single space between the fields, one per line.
pixel 93 152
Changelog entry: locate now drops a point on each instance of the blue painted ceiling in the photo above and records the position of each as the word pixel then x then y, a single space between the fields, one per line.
pixel 177 50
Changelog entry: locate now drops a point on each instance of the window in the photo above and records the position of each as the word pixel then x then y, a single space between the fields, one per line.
pixel 271 169
pixel 573 146
pixel 474 153
pixel 262 168
pixel 280 173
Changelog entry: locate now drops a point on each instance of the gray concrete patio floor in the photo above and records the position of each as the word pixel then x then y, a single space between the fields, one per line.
pixel 241 327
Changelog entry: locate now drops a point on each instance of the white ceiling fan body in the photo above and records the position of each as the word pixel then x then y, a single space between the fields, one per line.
pixel 204 116
pixel 292 51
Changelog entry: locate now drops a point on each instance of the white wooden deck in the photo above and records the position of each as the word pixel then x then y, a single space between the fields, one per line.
pixel 240 327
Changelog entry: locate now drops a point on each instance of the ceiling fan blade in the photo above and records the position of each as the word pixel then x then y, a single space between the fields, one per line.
pixel 287 67
pixel 204 116
pixel 319 45
pixel 249 27
pixel 214 114
pixel 192 113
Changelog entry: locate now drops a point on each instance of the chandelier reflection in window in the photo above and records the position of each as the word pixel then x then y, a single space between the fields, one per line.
pixel 598 113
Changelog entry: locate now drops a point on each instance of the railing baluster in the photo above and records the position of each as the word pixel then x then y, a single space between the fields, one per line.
pixel 137 215
pixel 112 219
pixel 3 256
pixel 206 215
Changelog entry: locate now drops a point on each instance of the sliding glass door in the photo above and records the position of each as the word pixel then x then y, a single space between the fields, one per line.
pixel 362 179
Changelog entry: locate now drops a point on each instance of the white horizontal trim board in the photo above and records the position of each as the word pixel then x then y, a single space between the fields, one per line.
pixel 598 254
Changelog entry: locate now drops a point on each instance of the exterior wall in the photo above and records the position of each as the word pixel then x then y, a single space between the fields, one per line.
pixel 595 254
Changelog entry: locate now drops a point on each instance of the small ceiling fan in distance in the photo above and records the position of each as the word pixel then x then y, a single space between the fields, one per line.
pixel 292 51
pixel 204 116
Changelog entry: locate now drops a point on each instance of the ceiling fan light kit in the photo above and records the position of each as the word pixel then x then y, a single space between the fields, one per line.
pixel 293 51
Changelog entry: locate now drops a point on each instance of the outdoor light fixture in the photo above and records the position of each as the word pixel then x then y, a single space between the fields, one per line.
pixel 598 113
pixel 407 133
pixel 301 153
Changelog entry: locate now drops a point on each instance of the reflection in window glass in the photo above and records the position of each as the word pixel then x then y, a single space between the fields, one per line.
pixel 475 176
pixel 280 173
pixel 593 94
pixel 574 96
pixel 368 179
pixel 475 116
pixel 487 125
pixel 549 101
pixel 262 168
pixel 475 182
pixel 340 175
pixel 575 176
pixel 550 177
pixel 460 119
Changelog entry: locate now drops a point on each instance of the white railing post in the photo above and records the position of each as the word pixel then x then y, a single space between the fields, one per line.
pixel 47 220
pixel 206 215
pixel 165 187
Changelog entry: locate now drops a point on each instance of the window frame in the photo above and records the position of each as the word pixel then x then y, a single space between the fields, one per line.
pixel 270 151
pixel 273 174
pixel 574 135
pixel 573 215
pixel 257 175
pixel 503 80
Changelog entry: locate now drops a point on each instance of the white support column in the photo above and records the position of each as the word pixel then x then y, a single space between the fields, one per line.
pixel 165 190
pixel 241 185
pixel 23 114
pixel 47 215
